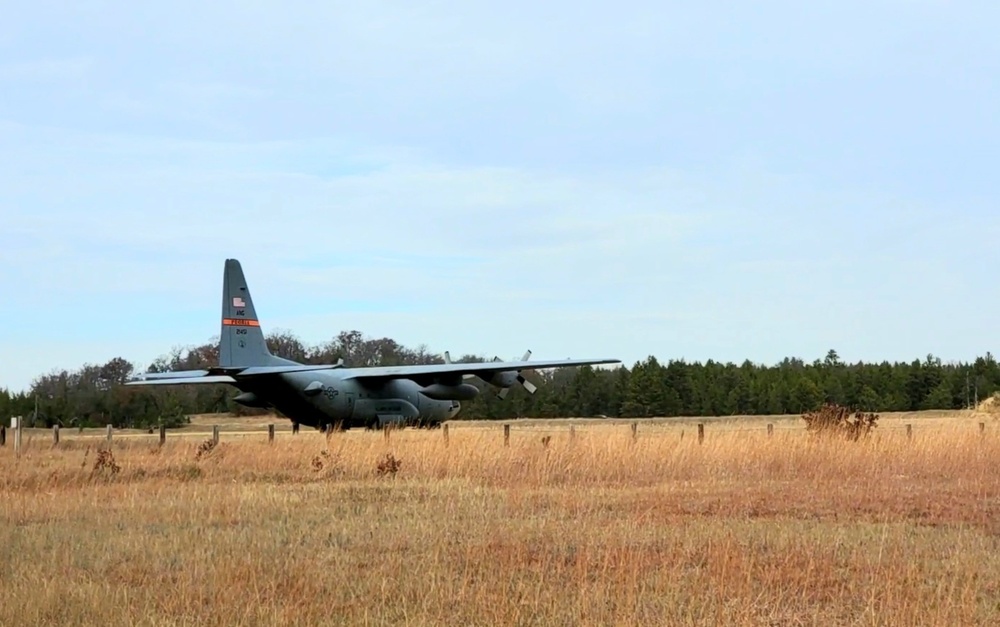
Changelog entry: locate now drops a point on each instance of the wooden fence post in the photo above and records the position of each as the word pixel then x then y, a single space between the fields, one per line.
pixel 386 428
pixel 17 435
pixel 444 431
pixel 270 434
pixel 110 431
pixel 770 429
pixel 215 433
pixel 701 432
pixel 909 431
pixel 506 435
pixel 3 435
pixel 635 431
pixel 163 434
pixel 55 435
pixel 572 433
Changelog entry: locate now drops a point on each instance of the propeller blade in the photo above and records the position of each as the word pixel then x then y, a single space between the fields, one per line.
pixel 527 385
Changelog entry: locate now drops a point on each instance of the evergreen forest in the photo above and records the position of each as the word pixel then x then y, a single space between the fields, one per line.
pixel 94 395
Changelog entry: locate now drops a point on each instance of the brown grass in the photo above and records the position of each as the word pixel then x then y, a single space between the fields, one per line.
pixel 594 529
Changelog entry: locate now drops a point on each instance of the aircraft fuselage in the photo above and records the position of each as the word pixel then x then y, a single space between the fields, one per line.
pixel 322 398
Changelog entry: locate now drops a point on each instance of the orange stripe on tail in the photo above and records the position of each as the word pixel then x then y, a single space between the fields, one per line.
pixel 240 322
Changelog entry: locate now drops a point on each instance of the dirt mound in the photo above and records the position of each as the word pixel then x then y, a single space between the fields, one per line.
pixel 988 409
pixel 989 406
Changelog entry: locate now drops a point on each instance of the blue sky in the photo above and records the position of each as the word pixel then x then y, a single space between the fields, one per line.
pixel 689 180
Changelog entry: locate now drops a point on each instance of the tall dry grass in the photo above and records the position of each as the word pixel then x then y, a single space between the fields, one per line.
pixel 597 529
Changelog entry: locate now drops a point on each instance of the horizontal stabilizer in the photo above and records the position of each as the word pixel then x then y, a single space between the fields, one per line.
pixel 176 374
pixel 222 374
pixel 183 380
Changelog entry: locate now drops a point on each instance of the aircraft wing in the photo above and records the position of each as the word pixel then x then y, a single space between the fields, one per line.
pixel 419 373
pixel 426 372
pixel 220 374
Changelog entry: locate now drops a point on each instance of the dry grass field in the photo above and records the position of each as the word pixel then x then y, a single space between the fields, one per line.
pixel 593 529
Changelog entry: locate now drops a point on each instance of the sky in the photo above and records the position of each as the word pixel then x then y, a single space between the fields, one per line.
pixel 712 180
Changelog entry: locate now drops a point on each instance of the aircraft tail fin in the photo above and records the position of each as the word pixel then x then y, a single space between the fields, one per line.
pixel 241 341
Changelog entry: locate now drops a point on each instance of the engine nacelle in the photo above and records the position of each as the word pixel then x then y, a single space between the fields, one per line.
pixel 505 379
pixel 249 399
pixel 442 392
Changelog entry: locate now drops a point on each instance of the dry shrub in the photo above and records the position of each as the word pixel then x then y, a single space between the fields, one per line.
pixel 388 465
pixel 833 419
pixel 327 462
pixel 318 461
pixel 105 463
pixel 205 448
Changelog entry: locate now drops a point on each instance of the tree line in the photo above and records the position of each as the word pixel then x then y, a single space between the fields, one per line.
pixel 94 395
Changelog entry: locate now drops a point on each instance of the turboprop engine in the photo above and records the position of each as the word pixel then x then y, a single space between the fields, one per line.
pixel 503 380
pixel 508 378
pixel 444 392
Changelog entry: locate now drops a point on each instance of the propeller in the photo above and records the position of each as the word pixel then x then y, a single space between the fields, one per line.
pixel 518 377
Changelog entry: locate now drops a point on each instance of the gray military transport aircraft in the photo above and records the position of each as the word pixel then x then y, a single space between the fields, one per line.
pixel 321 395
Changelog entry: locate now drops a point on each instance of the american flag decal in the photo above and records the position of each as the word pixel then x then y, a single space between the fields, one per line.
pixel 238 302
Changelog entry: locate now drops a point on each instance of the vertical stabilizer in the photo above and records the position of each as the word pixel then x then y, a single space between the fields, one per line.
pixel 241 341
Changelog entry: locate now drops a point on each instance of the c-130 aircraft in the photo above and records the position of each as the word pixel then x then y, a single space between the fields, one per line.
pixel 334 395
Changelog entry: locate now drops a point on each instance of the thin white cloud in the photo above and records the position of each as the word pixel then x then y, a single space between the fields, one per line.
pixel 47 70
pixel 498 218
